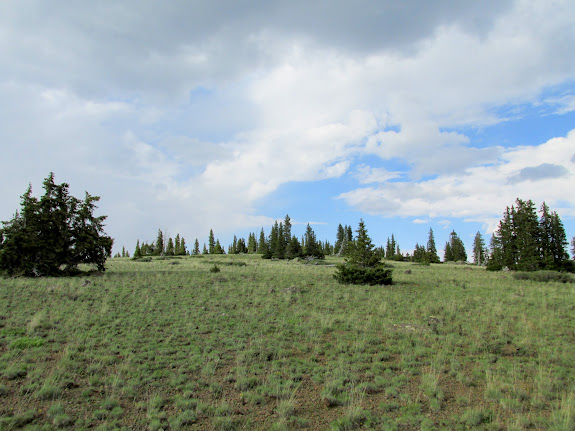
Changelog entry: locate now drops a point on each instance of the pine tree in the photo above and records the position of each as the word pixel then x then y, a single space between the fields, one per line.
pixel 218 248
pixel 205 250
pixel 252 243
pixel 177 245
pixel 478 249
pixel 362 265
pixel 183 250
pixel 196 250
pixel 448 253
pixel 170 250
pixel 53 234
pixel 431 249
pixel 286 231
pixel 311 247
pixel 263 245
pixel 138 251
pixel 159 249
pixel 339 239
pixel 573 247
pixel 526 235
pixel 454 249
pixel 211 243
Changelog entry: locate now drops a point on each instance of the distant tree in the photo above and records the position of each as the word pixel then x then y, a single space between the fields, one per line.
pixel 573 247
pixel 420 254
pixel 252 243
pixel 431 249
pixel 170 250
pixel 524 242
pixel 54 234
pixel 211 243
pixel 454 249
pixel 286 231
pixel 159 250
pixel 177 245
pixel 448 253
pixel 311 246
pixel 205 250
pixel 183 250
pixel 390 248
pixel 196 250
pixel 362 265
pixel 478 249
pixel 138 251
pixel 293 249
pixel 263 245
pixel 339 238
pixel 218 248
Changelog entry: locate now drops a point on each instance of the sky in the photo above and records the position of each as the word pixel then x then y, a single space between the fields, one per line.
pixel 194 115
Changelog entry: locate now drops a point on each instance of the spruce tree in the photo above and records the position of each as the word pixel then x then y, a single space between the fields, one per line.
pixel 431 249
pixel 196 250
pixel 362 265
pixel 211 243
pixel 455 249
pixel 138 251
pixel 159 249
pixel 478 249
pixel 54 234
pixel 170 250
pixel 177 245
pixel 252 243
pixel 262 243
pixel 183 250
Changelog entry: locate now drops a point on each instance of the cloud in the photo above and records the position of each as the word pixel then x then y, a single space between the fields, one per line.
pixel 189 115
pixel 541 172
pixel 483 192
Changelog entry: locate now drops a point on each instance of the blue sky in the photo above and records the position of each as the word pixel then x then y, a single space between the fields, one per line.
pixel 192 115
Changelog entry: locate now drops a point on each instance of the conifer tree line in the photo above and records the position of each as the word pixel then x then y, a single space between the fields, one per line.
pixel 522 241
pixel 526 242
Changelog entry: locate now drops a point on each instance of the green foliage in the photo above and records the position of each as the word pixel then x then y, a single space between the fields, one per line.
pixel 353 274
pixel 431 249
pixel 454 249
pixel 54 234
pixel 545 276
pixel 362 265
pixel 524 242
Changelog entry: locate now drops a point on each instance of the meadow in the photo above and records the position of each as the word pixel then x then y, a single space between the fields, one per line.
pixel 175 344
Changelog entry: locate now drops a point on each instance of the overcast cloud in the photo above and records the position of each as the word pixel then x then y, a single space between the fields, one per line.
pixel 186 115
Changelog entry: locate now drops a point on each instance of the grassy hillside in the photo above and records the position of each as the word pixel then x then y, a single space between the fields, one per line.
pixel 168 344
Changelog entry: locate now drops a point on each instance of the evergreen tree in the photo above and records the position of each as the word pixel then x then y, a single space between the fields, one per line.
pixel 454 249
pixel 53 234
pixel 262 243
pixel 553 240
pixel 234 247
pixel 286 231
pixel 573 247
pixel 448 253
pixel 362 265
pixel 311 247
pixel 293 248
pixel 211 243
pixel 431 249
pixel 159 249
pixel 205 250
pixel 170 250
pixel 196 250
pixel 218 248
pixel 390 248
pixel 527 236
pixel 478 249
pixel 177 245
pixel 339 239
pixel 420 254
pixel 252 243
pixel 138 251
pixel 183 250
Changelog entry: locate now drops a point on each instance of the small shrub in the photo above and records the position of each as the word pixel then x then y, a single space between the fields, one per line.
pixel 215 268
pixel 545 276
pixel 26 342
pixel 354 274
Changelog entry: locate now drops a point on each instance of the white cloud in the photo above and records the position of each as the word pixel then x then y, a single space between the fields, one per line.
pixel 481 193
pixel 109 96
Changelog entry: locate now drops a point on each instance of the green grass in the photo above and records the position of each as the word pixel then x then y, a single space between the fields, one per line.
pixel 281 345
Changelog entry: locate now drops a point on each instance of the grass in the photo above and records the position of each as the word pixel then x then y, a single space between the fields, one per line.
pixel 281 345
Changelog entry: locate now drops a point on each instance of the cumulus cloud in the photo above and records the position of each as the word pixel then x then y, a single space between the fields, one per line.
pixel 202 110
pixel 483 192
